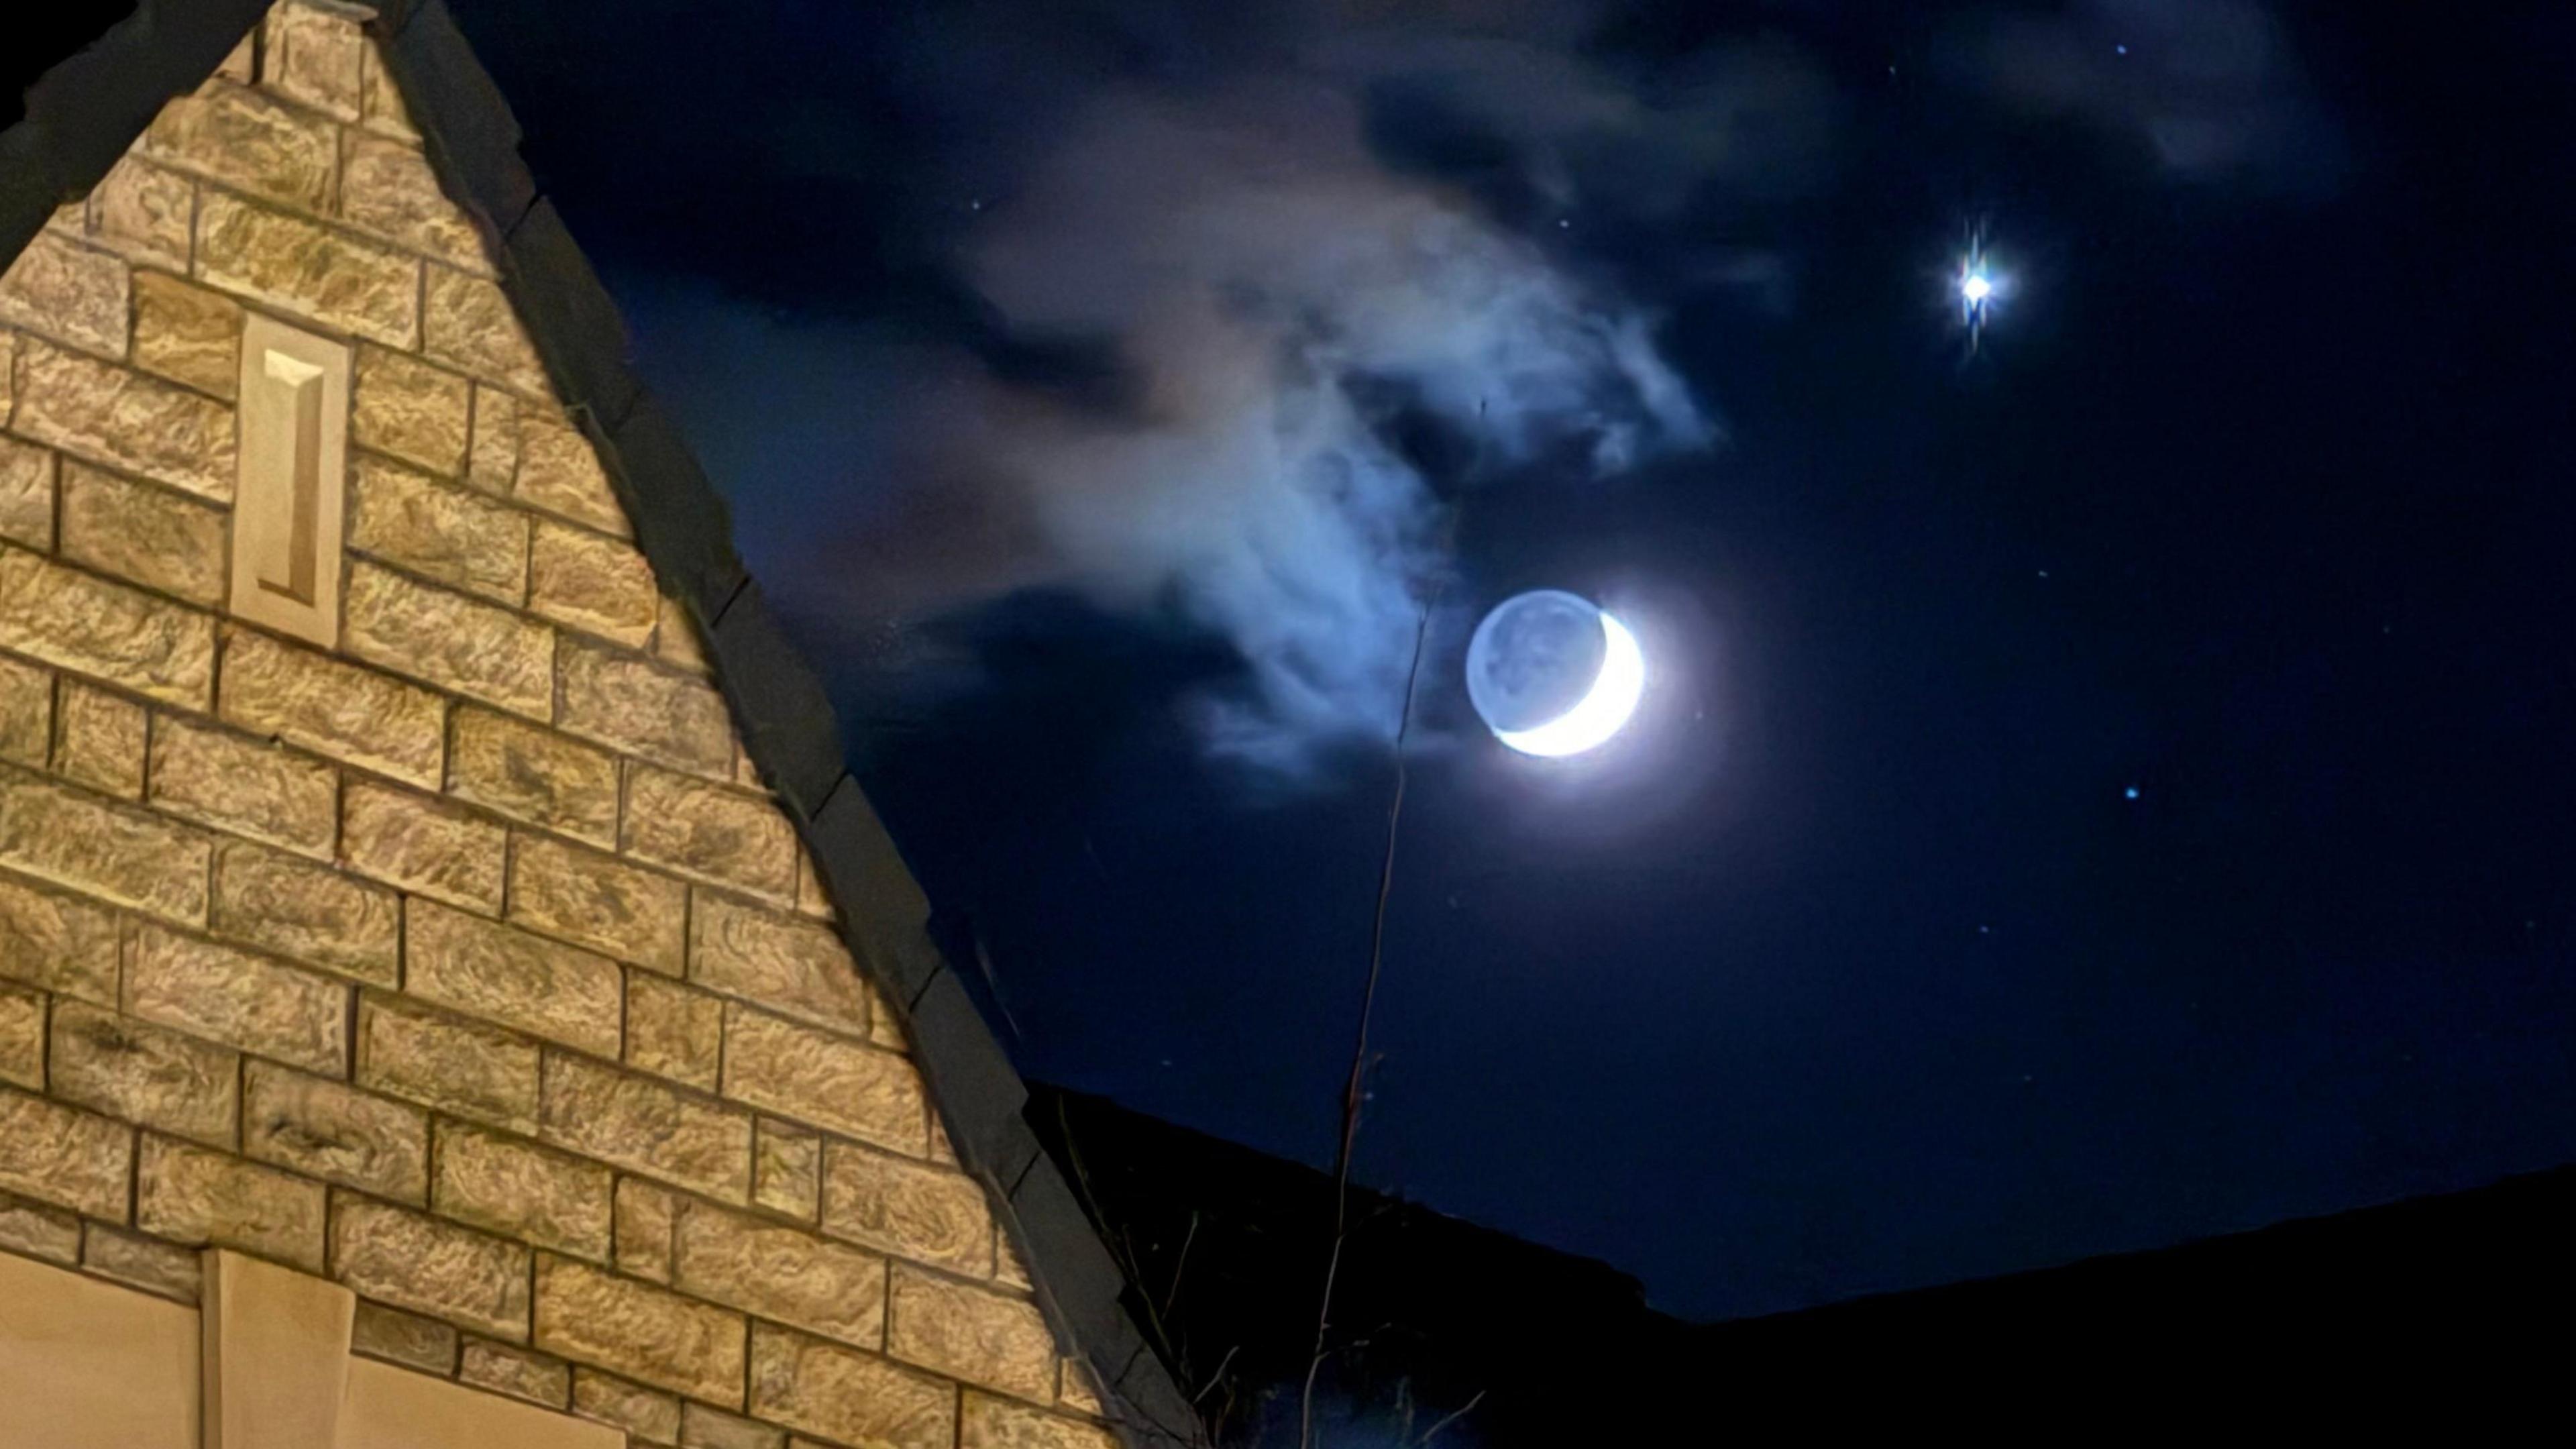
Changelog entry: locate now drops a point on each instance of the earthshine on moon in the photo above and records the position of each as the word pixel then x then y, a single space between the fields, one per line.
pixel 1553 675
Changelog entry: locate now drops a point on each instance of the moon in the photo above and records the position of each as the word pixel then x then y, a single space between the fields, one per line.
pixel 1551 674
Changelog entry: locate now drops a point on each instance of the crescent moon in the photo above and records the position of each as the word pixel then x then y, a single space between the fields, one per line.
pixel 1603 710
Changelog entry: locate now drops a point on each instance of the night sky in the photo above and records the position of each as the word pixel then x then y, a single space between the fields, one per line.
pixel 2107 788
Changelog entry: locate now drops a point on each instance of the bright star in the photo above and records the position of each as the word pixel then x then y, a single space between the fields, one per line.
pixel 2131 792
pixel 1976 288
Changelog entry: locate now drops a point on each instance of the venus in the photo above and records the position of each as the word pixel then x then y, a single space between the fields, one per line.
pixel 1552 674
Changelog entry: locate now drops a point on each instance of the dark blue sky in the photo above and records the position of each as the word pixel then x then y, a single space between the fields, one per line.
pixel 1853 967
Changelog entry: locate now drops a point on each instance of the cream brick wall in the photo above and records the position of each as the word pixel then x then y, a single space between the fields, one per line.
pixel 467 964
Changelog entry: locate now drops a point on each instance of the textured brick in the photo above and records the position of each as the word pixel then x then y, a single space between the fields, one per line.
pixel 313 57
pixel 472 327
pixel 124 419
pixel 404 1338
pixel 644 1217
pixel 599 901
pixel 781 1273
pixel 72 1159
pixel 676 640
pixel 517 1373
pixel 971 1334
pixel 307 911
pixel 101 741
pixel 387 187
pixel 811 898
pixel 144 212
pixel 67 292
pixel 646 1414
pixel 601 585
pixel 423 845
pixel 622 700
pixel 705 1428
pixel 142 1074
pixel 61 943
pixel 261 790
pixel 368 719
pixel 643 1126
pixel 711 832
pixel 116 852
pixel 449 534
pixel 522 1191
pixel 1075 1391
pixel 1009 1269
pixel 410 410
pixel 297 266
pixel 492 460
pixel 929 1214
pixel 534 774
pixel 26 488
pixel 438 1061
pixel 26 713
pixel 672 1031
pixel 791 966
pixel 380 104
pixel 786 1169
pixel 508 976
pixel 335 1132
pixel 139 1262
pixel 812 1076
pixel 639 1331
pixel 187 334
pixel 857 1398
pixel 559 471
pixel 432 1267
pixel 992 1423
pixel 247 140
pixel 148 645
pixel 190 1195
pixel 33 1230
pixel 239 999
pixel 157 538
pixel 22 1036
pixel 450 640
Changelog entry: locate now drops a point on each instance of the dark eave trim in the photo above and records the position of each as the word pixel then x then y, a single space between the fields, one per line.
pixel 87 110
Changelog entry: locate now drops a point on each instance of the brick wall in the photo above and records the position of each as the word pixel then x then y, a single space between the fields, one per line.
pixel 469 964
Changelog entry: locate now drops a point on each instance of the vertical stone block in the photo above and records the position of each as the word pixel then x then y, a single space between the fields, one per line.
pixel 423 845
pixel 842 1394
pixel 333 1131
pixel 522 1191
pixel 492 460
pixel 26 713
pixel 508 976
pixel 72 1159
pixel 420 1263
pixel 26 487
pixel 239 999
pixel 22 1036
pixel 100 741
pixel 239 784
pixel 380 105
pixel 644 1228
pixel 786 1169
pixel 193 1196
pixel 142 1074
pixel 313 57
pixel 151 536
pixel 640 1331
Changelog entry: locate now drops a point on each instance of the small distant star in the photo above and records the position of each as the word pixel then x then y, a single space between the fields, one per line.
pixel 2043 573
pixel 1563 223
pixel 2131 792
pixel 1985 930
pixel 2122 49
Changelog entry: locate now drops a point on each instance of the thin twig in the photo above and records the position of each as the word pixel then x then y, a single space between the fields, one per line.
pixel 1463 1411
pixel 1359 1048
